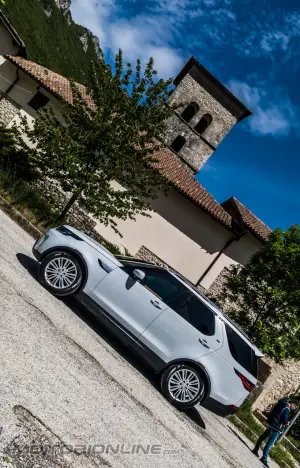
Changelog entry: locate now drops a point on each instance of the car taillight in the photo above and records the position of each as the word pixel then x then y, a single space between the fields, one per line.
pixel 247 384
pixel 233 407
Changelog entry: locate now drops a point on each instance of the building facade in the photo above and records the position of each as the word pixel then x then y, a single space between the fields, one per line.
pixel 188 231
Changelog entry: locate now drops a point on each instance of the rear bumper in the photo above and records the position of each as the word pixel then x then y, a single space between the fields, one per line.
pixel 218 408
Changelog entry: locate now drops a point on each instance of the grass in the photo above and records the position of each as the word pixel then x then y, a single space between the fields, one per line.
pixel 25 198
pixel 254 429
pixel 296 443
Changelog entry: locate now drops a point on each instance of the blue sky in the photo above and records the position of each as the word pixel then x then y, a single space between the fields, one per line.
pixel 253 47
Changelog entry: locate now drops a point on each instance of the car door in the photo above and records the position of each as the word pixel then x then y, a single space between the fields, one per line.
pixel 132 303
pixel 187 329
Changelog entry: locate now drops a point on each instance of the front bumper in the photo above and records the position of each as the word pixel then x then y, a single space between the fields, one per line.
pixel 39 247
pixel 36 253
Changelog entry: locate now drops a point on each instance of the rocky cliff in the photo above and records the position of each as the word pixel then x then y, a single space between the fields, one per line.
pixel 64 5
pixel 52 37
pixel 84 33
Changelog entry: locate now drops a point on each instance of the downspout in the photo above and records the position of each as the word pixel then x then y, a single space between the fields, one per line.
pixel 228 243
pixel 5 94
pixel 236 237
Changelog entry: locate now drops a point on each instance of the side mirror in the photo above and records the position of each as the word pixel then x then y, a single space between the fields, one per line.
pixel 138 275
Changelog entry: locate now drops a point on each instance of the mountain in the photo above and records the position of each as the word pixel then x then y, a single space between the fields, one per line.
pixel 52 38
pixel 64 5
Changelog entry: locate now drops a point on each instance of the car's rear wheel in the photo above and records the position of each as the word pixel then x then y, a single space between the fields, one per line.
pixel 61 273
pixel 182 385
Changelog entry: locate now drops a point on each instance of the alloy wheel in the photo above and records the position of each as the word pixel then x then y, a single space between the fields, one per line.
pixel 61 273
pixel 184 385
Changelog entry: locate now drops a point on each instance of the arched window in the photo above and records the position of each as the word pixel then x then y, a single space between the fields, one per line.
pixel 178 143
pixel 203 124
pixel 190 111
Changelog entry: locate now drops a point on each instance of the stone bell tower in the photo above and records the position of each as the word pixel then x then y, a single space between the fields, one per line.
pixel 205 112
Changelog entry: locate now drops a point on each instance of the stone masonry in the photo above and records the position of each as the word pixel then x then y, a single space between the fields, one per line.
pixel 77 215
pixel 196 152
pixel 284 380
pixel 216 287
pixel 146 254
pixel 8 110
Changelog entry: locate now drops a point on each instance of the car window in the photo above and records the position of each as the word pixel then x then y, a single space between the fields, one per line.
pixel 158 281
pixel 194 311
pixel 241 351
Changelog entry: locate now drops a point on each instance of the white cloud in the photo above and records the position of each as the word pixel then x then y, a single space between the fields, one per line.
pixel 276 117
pixel 179 9
pixel 212 26
pixel 155 32
pixel 275 40
pixel 140 36
pixel 93 14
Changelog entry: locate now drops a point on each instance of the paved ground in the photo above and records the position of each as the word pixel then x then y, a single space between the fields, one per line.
pixel 67 385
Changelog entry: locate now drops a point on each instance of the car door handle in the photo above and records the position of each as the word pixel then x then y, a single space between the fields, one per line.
pixel 156 304
pixel 204 343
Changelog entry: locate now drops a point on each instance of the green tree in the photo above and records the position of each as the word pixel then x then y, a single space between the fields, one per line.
pixel 109 134
pixel 13 157
pixel 264 296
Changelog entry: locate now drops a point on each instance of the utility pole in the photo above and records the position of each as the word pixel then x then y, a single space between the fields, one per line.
pixel 289 426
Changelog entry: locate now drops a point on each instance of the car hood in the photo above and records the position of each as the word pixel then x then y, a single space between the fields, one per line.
pixel 96 245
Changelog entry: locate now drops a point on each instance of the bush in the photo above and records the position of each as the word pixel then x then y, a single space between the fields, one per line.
pixel 13 158
pixel 24 196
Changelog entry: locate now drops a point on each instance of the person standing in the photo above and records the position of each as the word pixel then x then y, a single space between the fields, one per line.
pixel 277 420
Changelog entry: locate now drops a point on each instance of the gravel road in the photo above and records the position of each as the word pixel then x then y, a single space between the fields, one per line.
pixel 72 396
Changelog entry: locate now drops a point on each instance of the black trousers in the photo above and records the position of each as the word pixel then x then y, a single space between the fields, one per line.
pixel 263 437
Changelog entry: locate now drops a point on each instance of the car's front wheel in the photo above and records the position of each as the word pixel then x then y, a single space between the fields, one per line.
pixel 182 385
pixel 61 273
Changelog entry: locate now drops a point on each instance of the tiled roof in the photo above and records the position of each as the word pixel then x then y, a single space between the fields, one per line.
pixel 171 165
pixel 51 81
pixel 251 221
pixel 184 181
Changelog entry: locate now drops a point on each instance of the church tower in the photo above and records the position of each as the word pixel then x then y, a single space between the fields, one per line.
pixel 205 111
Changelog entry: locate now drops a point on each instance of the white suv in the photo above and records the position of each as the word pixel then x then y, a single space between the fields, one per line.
pixel 200 355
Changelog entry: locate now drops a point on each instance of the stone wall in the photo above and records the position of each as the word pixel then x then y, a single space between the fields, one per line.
pixel 284 380
pixel 77 216
pixel 216 287
pixel 8 110
pixel 148 256
pixel 196 151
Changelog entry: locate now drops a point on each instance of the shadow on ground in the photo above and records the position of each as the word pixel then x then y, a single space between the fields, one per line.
pixel 239 437
pixel 72 303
